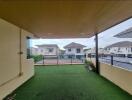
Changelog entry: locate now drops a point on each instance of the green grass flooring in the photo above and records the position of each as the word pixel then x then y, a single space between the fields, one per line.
pixel 68 82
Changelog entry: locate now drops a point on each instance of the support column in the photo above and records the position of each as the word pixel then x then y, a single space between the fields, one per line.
pixel 96 53
pixel 20 53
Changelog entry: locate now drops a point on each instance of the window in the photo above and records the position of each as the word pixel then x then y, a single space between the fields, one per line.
pixel 28 47
pixel 131 49
pixel 41 50
pixel 119 49
pixel 78 50
pixel 108 49
pixel 69 50
pixel 50 49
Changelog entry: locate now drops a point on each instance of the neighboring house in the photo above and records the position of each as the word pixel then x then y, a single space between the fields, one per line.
pixel 91 52
pixel 123 48
pixel 34 51
pixel 74 50
pixel 48 49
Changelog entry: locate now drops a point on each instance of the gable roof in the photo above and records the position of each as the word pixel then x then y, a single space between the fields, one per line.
pixel 74 45
pixel 125 34
pixel 121 44
pixel 48 45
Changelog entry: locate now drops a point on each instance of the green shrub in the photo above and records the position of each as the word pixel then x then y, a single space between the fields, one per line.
pixel 37 58
pixel 89 65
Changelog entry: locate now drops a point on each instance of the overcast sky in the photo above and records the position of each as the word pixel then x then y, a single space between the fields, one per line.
pixel 105 38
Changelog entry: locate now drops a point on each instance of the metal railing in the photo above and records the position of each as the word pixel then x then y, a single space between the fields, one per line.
pixel 61 59
pixel 123 62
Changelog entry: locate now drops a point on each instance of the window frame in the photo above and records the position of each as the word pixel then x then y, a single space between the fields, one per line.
pixel 50 50
pixel 78 50
pixel 69 49
pixel 28 46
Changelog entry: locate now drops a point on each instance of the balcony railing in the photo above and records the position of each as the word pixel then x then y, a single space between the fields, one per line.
pixel 123 62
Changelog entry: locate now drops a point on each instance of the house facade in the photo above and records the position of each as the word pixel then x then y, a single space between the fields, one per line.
pixel 91 52
pixel 122 49
pixel 48 49
pixel 74 50
pixel 34 51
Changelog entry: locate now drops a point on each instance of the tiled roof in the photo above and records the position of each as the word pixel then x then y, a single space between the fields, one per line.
pixel 125 34
pixel 121 44
pixel 48 45
pixel 74 45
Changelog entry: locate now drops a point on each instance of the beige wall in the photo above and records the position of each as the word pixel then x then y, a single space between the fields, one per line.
pixel 119 76
pixel 11 63
pixel 9 48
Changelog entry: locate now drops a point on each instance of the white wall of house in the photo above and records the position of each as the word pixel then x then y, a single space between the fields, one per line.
pixel 74 51
pixel 120 50
pixel 48 50
pixel 15 68
pixel 34 51
pixel 100 51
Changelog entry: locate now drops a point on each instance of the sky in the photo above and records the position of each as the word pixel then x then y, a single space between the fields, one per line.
pixel 105 38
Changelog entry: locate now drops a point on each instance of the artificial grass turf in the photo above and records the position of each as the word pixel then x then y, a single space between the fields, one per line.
pixel 68 82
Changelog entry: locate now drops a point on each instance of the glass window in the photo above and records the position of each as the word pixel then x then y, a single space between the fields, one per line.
pixel 50 49
pixel 78 50
pixel 28 47
pixel 119 49
pixel 69 50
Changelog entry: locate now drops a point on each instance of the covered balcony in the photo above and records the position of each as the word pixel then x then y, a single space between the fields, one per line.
pixel 23 20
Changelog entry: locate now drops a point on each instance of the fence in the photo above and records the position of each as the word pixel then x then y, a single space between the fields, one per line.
pixel 123 62
pixel 61 59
